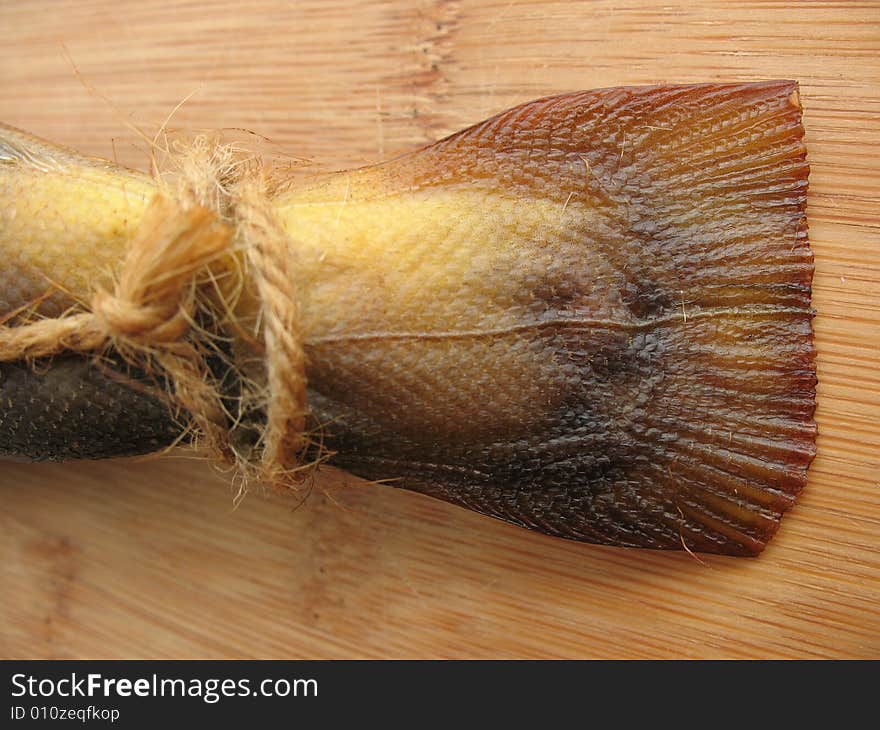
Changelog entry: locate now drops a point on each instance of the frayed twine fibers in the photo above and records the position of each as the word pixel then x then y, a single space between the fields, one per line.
pixel 172 306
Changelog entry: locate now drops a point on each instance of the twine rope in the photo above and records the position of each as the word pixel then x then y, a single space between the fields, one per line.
pixel 217 219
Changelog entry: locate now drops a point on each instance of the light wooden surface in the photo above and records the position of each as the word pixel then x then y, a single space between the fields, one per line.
pixel 148 558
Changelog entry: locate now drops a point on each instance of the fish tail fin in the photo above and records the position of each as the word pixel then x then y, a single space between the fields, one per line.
pixel 669 319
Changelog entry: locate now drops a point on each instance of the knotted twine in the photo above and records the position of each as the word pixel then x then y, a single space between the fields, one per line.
pixel 172 305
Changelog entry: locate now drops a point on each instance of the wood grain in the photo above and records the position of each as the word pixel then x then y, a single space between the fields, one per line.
pixel 148 558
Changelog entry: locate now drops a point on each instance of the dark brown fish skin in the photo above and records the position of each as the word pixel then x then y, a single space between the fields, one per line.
pixel 72 408
pixel 603 473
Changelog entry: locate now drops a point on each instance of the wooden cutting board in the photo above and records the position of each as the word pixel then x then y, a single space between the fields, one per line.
pixel 148 558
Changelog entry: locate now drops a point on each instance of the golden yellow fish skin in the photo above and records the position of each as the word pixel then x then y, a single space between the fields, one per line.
pixel 424 282
pixel 65 221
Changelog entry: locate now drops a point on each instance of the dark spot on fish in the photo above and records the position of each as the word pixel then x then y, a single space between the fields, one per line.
pixel 644 299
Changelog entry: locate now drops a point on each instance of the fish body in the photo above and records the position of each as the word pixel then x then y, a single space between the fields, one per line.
pixel 589 315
